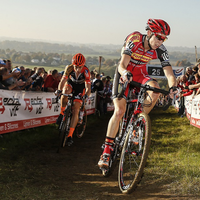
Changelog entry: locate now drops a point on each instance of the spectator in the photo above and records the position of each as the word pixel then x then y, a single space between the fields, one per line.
pixel 189 74
pixel 92 76
pixel 51 82
pixel 34 69
pixel 97 84
pixel 2 63
pixel 109 80
pixel 182 83
pixel 195 69
pixel 22 73
pixel 57 81
pixel 27 74
pixel 108 91
pixel 198 64
pixel 197 85
pixel 102 74
pixel 10 81
pixel 38 82
pixel 38 71
pixel 32 72
pixel 49 72
pixel 197 79
pixel 9 65
pixel 101 98
pixel 4 75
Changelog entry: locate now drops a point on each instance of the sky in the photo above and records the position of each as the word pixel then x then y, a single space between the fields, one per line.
pixel 98 21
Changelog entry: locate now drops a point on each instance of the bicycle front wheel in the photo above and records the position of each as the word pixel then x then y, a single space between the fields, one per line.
pixel 134 153
pixel 80 127
pixel 64 130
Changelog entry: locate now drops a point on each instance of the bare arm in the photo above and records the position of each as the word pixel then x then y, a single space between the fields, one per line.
pixel 170 76
pixel 198 91
pixel 13 74
pixel 194 86
pixel 125 59
pixel 62 83
pixel 87 89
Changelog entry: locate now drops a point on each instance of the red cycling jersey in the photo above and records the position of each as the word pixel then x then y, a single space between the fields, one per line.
pixel 134 47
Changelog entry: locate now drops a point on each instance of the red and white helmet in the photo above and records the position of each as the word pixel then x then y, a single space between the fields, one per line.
pixel 158 26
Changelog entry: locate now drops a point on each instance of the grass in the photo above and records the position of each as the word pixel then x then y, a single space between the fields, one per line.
pixel 175 153
pixel 25 157
pixel 173 163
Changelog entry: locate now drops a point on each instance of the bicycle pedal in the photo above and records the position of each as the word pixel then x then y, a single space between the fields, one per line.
pixel 104 169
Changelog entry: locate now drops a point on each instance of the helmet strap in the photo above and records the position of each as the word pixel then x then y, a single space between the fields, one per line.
pixel 148 38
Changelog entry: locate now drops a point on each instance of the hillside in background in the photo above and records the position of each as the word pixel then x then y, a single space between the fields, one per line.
pixel 106 50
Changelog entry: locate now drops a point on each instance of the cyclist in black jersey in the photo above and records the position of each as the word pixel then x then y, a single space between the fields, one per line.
pixel 76 79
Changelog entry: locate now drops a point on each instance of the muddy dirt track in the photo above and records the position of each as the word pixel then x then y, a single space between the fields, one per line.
pixel 74 174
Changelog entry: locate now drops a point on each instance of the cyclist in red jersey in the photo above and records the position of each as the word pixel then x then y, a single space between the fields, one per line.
pixel 76 79
pixel 137 51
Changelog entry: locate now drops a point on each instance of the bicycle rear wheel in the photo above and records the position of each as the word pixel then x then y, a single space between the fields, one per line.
pixel 134 153
pixel 64 130
pixel 80 127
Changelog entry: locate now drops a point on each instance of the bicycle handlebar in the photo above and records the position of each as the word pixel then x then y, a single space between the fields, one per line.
pixel 139 85
pixel 67 95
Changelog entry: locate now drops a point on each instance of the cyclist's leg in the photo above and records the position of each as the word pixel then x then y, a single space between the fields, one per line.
pixel 74 120
pixel 63 102
pixel 152 97
pixel 113 125
pixel 75 113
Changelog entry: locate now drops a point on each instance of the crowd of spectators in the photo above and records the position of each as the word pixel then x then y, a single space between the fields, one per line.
pixel 103 86
pixel 21 78
pixel 38 79
pixel 188 84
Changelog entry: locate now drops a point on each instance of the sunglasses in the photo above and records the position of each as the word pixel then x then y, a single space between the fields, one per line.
pixel 78 67
pixel 159 37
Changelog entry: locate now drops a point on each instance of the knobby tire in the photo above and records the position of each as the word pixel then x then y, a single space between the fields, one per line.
pixel 134 153
pixel 64 128
pixel 80 128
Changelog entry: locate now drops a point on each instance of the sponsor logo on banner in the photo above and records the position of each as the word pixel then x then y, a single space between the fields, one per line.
pixel 13 104
pixel 178 72
pixel 49 103
pixel 30 102
pixel 28 106
pixel 2 108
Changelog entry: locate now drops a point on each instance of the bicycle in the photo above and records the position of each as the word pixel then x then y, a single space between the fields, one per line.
pixel 65 123
pixel 132 144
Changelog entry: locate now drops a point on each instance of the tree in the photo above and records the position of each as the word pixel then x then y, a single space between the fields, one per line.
pixel 109 62
pixel 183 63
pixel 26 58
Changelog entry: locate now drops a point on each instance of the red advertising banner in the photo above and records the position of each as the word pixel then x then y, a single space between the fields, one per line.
pixel 25 124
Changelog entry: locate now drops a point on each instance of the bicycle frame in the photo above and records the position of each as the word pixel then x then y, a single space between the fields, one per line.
pixel 138 109
pixel 69 104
